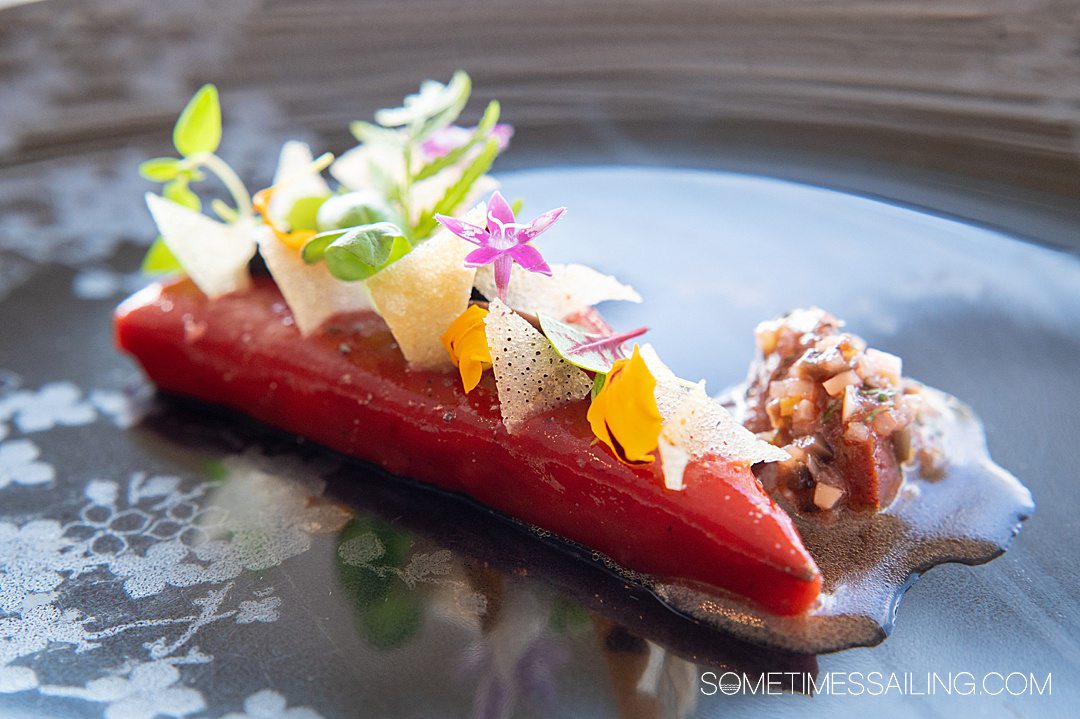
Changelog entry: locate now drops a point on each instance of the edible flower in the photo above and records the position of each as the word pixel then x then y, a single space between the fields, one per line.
pixel 434 99
pixel 504 241
pixel 466 342
pixel 452 137
pixel 623 414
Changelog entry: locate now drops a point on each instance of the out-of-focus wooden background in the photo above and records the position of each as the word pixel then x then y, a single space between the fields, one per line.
pixel 849 93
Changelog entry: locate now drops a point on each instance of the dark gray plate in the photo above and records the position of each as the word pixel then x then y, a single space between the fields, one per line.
pixel 157 559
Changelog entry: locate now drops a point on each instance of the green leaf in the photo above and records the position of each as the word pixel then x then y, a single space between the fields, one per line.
pixel 457 192
pixel 160 169
pixel 598 384
pixel 160 260
pixel 517 206
pixel 367 132
pixel 588 350
pixel 315 249
pixel 179 192
pixel 358 252
pixel 199 127
pixel 363 207
pixel 222 210
pixel 302 215
pixel 483 129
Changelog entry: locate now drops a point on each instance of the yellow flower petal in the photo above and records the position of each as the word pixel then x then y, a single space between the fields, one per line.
pixel 466 343
pixel 624 415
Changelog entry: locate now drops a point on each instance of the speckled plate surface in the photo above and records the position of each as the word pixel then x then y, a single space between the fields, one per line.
pixel 157 560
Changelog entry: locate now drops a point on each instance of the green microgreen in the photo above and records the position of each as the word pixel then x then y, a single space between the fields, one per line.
pixel 159 259
pixel 304 214
pixel 364 207
pixel 456 193
pixel 357 253
pixel 422 134
pixel 196 135
pixel 198 129
pixel 479 135
pixel 598 384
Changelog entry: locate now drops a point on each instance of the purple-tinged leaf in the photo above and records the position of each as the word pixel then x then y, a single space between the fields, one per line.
pixel 588 350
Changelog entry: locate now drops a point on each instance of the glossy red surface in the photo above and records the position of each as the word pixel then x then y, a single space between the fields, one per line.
pixel 347 387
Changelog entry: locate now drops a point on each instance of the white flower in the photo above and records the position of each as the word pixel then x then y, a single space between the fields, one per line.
pixel 433 99
pixel 18 464
pixel 55 404
pixel 268 704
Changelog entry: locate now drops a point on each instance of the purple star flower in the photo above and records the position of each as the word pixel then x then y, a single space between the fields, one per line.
pixel 504 241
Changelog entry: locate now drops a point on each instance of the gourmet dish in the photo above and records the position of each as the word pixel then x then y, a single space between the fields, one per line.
pixel 408 317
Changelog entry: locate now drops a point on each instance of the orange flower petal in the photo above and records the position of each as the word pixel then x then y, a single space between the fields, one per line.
pixel 466 343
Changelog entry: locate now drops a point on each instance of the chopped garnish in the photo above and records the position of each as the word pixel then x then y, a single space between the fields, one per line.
pixel 422 293
pixel 530 376
pixel 214 254
pixel 466 343
pixel 588 350
pixel 569 290
pixel 624 415
pixel 503 242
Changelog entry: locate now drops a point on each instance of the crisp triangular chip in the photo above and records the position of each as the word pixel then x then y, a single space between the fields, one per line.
pixel 214 255
pixel 570 289
pixel 671 392
pixel 702 425
pixel 360 167
pixel 312 293
pixel 295 179
pixel 423 292
pixel 529 374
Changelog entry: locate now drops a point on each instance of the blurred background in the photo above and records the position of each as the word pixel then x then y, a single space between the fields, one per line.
pixel 969 107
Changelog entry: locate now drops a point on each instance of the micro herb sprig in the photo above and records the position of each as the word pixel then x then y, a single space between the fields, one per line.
pixel 196 136
pixel 416 132
pixel 422 141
